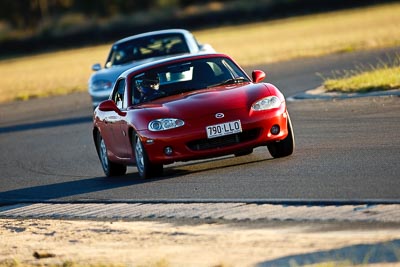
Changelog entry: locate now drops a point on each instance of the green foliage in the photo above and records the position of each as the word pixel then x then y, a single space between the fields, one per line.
pixel 30 13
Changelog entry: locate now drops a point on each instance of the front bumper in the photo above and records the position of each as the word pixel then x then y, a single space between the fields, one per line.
pixel 190 142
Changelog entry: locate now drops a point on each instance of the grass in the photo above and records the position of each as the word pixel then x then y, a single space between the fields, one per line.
pixel 308 36
pixel 250 44
pixel 48 74
pixel 381 77
pixel 15 263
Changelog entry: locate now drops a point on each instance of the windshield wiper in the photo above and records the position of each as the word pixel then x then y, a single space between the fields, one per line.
pixel 232 81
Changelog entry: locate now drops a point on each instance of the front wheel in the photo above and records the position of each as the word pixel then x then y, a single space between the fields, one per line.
pixel 146 169
pixel 284 147
pixel 110 168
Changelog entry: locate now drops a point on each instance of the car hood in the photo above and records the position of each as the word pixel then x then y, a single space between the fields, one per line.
pixel 201 103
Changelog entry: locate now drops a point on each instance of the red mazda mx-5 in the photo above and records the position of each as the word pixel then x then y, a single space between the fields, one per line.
pixel 187 108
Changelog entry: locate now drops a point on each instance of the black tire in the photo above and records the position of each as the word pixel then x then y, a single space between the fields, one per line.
pixel 146 169
pixel 284 147
pixel 110 168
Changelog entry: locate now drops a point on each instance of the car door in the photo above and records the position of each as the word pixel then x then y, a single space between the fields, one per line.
pixel 117 122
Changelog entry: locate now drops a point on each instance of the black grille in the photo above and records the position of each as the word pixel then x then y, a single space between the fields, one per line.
pixel 224 141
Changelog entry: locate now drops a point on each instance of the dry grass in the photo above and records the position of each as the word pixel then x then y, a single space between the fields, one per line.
pixel 381 77
pixel 48 74
pixel 377 80
pixel 308 36
pixel 15 263
pixel 250 44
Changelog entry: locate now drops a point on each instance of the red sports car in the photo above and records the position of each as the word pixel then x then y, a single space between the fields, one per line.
pixel 187 108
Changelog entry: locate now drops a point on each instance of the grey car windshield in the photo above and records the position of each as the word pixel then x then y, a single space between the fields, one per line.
pixel 185 77
pixel 147 47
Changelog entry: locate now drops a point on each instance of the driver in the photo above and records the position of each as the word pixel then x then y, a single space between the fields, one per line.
pixel 148 87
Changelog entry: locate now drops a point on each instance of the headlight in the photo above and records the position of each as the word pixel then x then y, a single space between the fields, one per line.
pixel 165 124
pixel 101 85
pixel 269 102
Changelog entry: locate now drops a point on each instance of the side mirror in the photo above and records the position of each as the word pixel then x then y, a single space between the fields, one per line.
pixel 258 76
pixel 206 48
pixel 110 105
pixel 96 67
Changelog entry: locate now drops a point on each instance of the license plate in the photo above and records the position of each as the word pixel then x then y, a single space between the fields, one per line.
pixel 222 129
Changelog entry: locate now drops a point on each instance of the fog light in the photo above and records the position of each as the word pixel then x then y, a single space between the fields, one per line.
pixel 275 129
pixel 168 151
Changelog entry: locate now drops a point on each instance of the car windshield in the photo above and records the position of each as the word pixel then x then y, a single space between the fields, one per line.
pixel 184 77
pixel 147 47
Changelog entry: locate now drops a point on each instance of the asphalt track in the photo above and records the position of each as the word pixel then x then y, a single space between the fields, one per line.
pixel 347 151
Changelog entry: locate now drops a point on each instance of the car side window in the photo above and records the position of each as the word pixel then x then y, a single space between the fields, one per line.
pixel 118 94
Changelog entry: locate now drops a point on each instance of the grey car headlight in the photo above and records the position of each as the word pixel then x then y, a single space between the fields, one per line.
pixel 165 124
pixel 101 85
pixel 269 102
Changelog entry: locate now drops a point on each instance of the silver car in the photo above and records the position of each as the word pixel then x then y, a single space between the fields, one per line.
pixel 139 49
